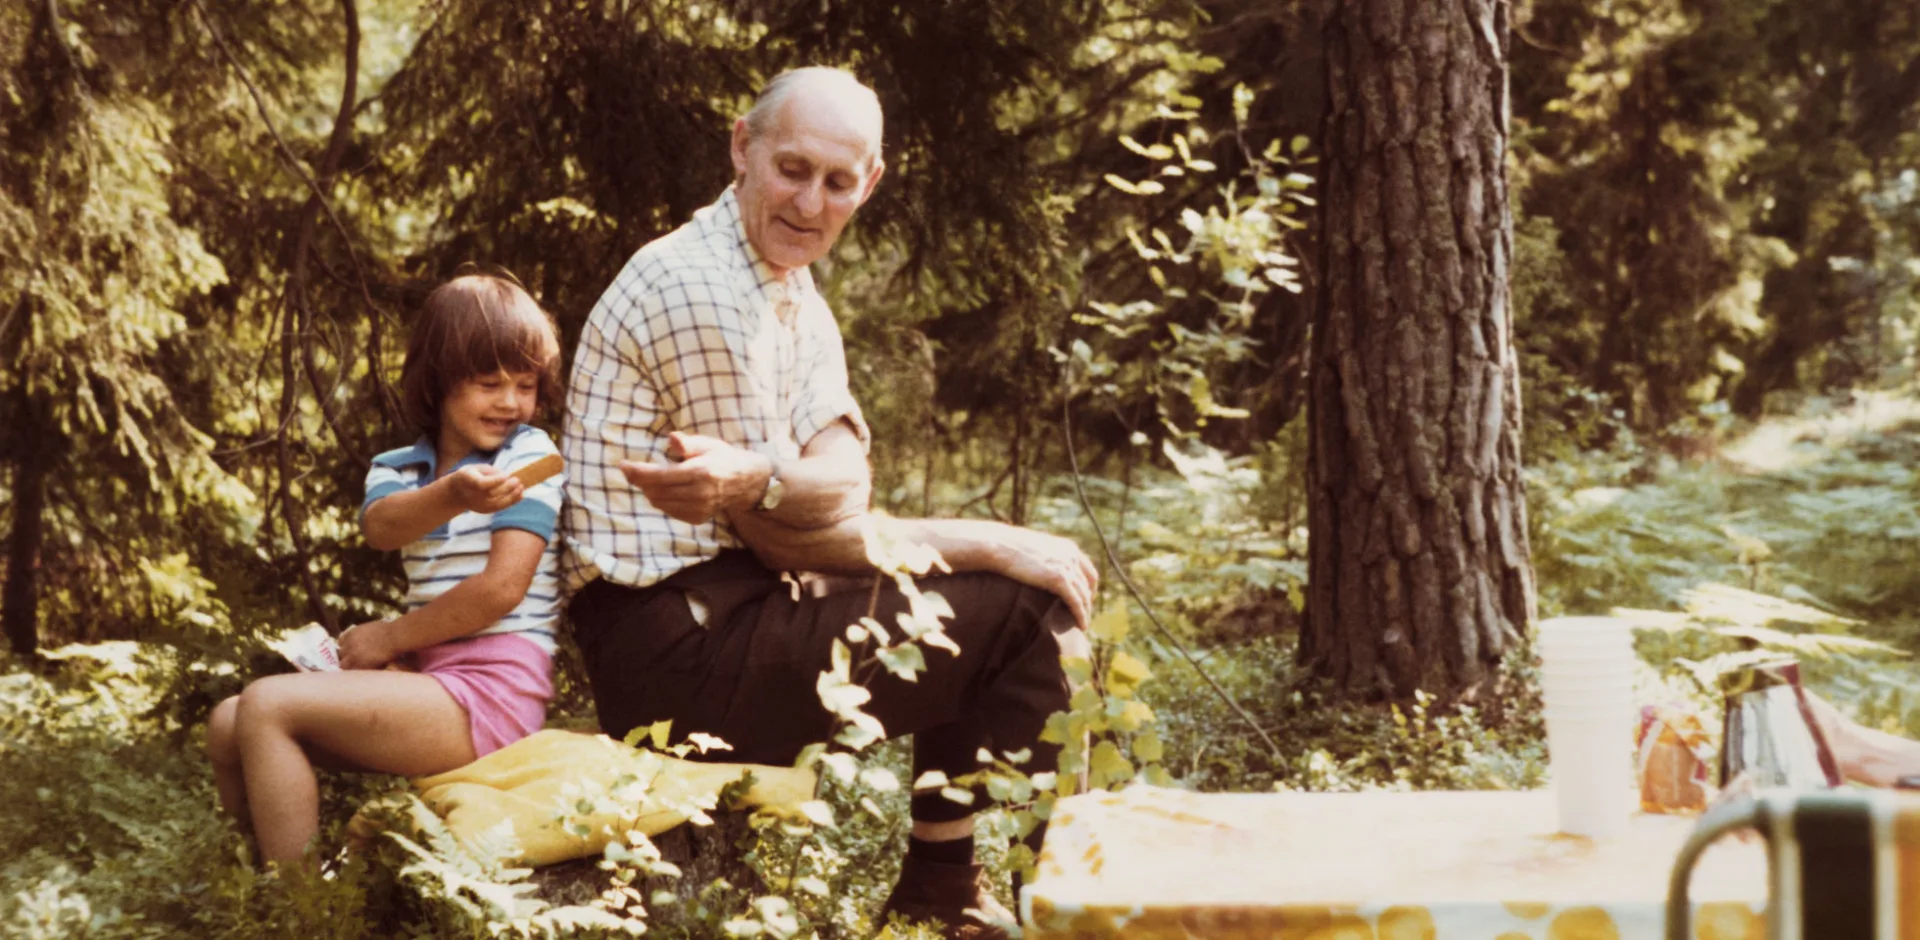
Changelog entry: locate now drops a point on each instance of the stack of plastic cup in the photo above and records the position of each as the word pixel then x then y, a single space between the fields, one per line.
pixel 1586 677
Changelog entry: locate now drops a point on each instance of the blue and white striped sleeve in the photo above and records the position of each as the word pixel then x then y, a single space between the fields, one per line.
pixel 539 508
pixel 382 481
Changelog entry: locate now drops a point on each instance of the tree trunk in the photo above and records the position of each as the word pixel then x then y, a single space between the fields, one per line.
pixel 19 611
pixel 1419 569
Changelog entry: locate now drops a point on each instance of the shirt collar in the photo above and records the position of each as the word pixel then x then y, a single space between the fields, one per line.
pixel 420 453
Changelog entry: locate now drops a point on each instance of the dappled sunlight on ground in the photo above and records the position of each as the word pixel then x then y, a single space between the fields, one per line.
pixel 1788 443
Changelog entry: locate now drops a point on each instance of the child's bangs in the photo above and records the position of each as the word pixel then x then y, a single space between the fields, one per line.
pixel 510 334
pixel 522 343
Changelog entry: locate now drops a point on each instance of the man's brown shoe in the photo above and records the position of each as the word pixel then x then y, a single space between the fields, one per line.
pixel 955 895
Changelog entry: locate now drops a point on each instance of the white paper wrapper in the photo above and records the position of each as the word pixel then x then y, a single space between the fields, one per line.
pixel 309 648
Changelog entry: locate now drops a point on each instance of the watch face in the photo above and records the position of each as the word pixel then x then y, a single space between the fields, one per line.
pixel 771 498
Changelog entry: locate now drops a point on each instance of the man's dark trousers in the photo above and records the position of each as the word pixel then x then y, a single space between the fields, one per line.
pixel 749 676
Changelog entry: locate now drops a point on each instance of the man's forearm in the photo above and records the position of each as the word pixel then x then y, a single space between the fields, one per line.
pixel 821 491
pixel 829 484
pixel 1036 559
pixel 841 548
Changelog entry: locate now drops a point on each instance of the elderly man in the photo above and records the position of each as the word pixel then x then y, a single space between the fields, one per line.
pixel 715 445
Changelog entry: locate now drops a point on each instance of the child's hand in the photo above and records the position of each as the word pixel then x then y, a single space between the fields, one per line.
pixel 482 488
pixel 368 645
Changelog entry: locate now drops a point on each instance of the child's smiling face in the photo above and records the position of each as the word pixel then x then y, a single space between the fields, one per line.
pixel 482 411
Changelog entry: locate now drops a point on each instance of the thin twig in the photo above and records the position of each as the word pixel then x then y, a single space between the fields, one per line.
pixel 323 397
pixel 342 124
pixel 1073 462
pixel 991 492
pixel 290 508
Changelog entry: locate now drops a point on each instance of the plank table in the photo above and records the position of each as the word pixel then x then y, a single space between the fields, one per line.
pixel 1437 865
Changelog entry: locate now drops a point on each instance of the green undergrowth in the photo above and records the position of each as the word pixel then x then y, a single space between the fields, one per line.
pixel 1797 537
pixel 1808 525
pixel 1329 745
pixel 113 831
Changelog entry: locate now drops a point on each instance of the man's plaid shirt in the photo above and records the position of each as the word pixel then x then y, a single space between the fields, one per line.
pixel 697 334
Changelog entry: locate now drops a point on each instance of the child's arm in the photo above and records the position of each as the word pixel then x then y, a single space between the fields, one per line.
pixel 467 607
pixel 395 521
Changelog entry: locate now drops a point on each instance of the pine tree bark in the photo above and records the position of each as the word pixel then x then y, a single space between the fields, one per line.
pixel 1419 568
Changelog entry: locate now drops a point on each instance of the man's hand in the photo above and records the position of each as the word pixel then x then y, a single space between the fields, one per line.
pixel 1050 563
pixel 714 476
pixel 483 488
pixel 368 645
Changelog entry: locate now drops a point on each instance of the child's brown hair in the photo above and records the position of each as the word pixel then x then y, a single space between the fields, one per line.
pixel 476 324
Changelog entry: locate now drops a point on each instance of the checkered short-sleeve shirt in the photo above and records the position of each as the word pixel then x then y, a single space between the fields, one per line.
pixel 696 334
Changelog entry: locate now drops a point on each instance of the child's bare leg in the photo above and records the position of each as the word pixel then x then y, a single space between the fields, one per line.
pixel 223 752
pixel 393 722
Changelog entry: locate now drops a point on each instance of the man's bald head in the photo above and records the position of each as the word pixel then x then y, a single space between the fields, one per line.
pixel 835 89
pixel 804 158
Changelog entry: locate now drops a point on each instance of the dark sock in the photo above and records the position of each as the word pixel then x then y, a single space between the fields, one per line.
pixel 946 852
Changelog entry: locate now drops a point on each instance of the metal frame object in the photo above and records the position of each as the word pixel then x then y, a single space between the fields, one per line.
pixel 1850 892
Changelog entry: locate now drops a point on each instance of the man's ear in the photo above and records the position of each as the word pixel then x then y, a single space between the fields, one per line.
pixel 741 137
pixel 873 179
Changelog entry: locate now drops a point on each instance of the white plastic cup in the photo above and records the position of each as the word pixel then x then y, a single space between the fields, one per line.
pixel 1562 659
pixel 1586 680
pixel 1588 696
pixel 1584 704
pixel 1580 652
pixel 1621 641
pixel 1565 700
pixel 1577 649
pixel 1555 686
pixel 1609 714
pixel 1585 663
pixel 1590 757
pixel 1555 661
pixel 1607 635
pixel 1575 678
pixel 1582 625
pixel 1613 713
pixel 1583 635
pixel 1579 670
pixel 1594 682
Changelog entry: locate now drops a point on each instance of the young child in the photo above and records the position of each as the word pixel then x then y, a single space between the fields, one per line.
pixel 482 600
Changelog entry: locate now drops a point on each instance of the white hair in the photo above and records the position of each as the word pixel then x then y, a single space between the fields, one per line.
pixel 861 104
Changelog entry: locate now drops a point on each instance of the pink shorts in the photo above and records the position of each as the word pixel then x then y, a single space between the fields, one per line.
pixel 502 680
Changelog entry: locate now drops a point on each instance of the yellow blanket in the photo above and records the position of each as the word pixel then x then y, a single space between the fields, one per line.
pixel 566 795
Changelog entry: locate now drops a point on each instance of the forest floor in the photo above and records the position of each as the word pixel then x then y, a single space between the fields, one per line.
pixel 1809 525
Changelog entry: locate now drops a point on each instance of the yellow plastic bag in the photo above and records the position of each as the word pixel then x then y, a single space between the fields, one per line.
pixel 538 785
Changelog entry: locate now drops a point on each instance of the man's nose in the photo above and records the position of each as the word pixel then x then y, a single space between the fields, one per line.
pixel 808 200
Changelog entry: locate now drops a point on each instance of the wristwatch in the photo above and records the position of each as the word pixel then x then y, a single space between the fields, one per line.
pixel 775 489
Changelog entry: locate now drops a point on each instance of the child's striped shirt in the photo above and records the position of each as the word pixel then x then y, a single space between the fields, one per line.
pixel 458 550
